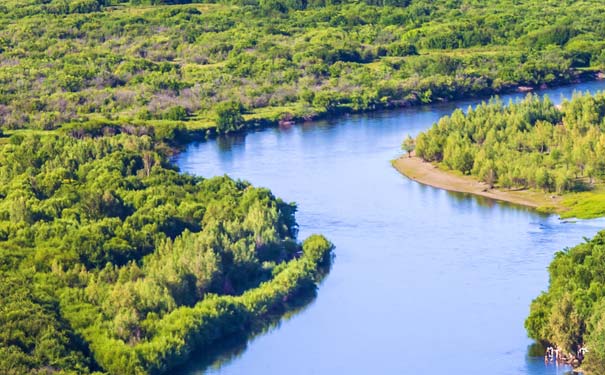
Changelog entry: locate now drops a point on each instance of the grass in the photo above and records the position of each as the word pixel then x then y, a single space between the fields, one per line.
pixel 585 205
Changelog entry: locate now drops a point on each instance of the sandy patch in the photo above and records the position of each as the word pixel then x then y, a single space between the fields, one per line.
pixel 428 174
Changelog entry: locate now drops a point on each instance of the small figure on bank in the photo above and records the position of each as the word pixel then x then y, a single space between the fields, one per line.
pixel 581 352
pixel 549 353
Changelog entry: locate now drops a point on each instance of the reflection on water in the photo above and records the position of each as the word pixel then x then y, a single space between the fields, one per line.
pixel 227 143
pixel 232 347
pixel 425 281
pixel 535 358
pixel 466 199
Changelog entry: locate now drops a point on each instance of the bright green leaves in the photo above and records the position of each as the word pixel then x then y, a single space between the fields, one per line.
pixel 102 238
pixel 530 144
pixel 571 311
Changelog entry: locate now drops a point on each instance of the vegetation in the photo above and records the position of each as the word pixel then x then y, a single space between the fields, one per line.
pixel 155 64
pixel 572 311
pixel 408 145
pixel 111 260
pixel 530 144
pixel 229 117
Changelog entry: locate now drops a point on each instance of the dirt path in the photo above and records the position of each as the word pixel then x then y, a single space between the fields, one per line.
pixel 428 174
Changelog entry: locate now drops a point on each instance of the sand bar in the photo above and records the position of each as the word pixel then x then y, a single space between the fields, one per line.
pixel 429 174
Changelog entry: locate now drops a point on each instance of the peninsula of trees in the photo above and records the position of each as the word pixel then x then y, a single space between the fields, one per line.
pixel 531 144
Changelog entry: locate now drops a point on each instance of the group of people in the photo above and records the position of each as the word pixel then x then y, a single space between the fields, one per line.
pixel 554 354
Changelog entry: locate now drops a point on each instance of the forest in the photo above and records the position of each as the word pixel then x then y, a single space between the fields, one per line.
pixel 219 67
pixel 113 261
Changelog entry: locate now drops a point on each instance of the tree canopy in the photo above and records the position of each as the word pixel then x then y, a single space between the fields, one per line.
pixel 111 259
pixel 530 144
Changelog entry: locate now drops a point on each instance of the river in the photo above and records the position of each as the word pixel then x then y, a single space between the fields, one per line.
pixel 424 281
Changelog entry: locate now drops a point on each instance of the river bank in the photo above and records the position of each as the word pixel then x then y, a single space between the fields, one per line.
pixel 178 134
pixel 182 133
pixel 429 174
pixel 268 117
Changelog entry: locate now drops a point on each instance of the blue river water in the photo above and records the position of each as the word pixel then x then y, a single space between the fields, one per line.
pixel 424 281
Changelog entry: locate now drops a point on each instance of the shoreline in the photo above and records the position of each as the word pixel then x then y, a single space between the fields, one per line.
pixel 263 122
pixel 429 174
pixel 523 88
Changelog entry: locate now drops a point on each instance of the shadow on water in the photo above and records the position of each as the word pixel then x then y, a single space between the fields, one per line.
pixel 228 142
pixel 465 198
pixel 232 347
pixel 468 200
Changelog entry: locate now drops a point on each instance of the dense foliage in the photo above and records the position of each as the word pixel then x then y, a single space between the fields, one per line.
pixel 572 311
pixel 153 63
pixel 111 260
pixel 530 144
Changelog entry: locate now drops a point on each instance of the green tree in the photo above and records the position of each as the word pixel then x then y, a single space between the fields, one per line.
pixel 408 145
pixel 229 117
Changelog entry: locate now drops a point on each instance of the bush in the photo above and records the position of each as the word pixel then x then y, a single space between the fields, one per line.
pixel 177 113
pixel 229 117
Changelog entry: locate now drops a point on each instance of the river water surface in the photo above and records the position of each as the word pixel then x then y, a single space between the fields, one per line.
pixel 424 281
